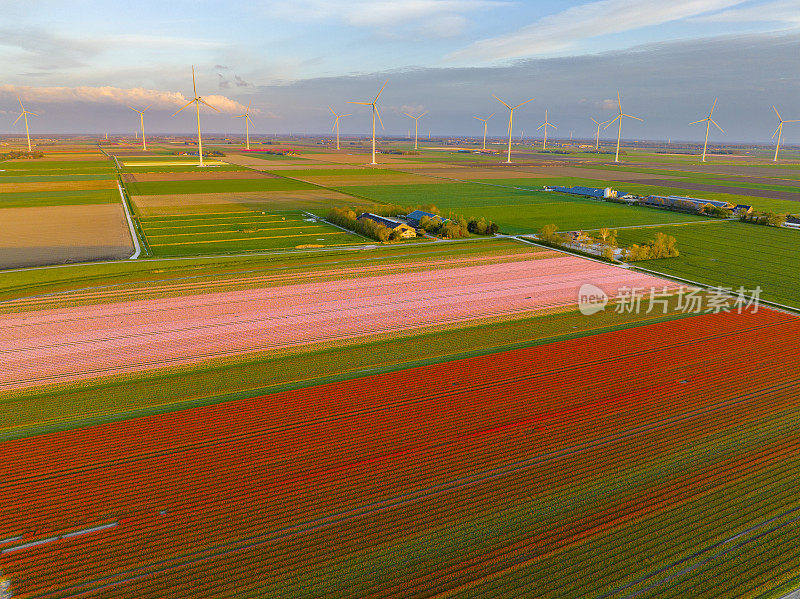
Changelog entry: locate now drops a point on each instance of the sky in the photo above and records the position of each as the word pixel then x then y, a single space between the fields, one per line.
pixel 80 65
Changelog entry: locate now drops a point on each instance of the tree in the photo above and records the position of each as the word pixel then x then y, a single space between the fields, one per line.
pixel 604 233
pixel 775 220
pixel 548 234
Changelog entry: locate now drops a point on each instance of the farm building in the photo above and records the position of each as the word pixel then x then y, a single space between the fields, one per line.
pixel 684 203
pixel 414 217
pixel 591 192
pixel 402 229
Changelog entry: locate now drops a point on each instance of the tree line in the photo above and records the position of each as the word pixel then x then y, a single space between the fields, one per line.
pixel 453 226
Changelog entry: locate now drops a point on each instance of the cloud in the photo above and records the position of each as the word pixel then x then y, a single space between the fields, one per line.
pixel 136 96
pixel 779 11
pixel 429 18
pixel 41 49
pixel 563 30
pixel 45 50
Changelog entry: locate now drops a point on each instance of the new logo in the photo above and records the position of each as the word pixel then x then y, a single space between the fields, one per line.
pixel 591 299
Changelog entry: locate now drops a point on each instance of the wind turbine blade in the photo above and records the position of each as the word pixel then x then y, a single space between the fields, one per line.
pixel 700 121
pixel 715 124
pixel 525 102
pixel 20 103
pixel 341 116
pixel 132 108
pixel 377 112
pixel 540 126
pixel 713 106
pixel 503 103
pixel 408 115
pixel 206 103
pixel 612 122
pixel 148 108
pixel 776 130
pixel 490 116
pixel 777 113
pixel 380 92
pixel 552 125
pixel 630 116
pixel 336 120
pixel 595 122
pixel 21 115
pixel 34 114
pixel 362 103
pixel 194 85
pixel 422 115
pixel 185 106
pixel 251 120
pixel 476 117
pixel 793 121
pixel 619 103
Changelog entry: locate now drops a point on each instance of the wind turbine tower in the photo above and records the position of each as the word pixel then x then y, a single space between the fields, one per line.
pixel 247 123
pixel 619 118
pixel 336 124
pixel 545 125
pixel 708 120
pixel 416 125
pixel 778 131
pixel 24 115
pixel 511 110
pixel 597 135
pixel 375 112
pixel 485 122
pixel 141 122
pixel 197 100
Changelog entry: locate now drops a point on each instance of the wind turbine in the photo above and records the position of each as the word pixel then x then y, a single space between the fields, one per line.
pixel 510 121
pixel 24 114
pixel 197 100
pixel 597 138
pixel 336 124
pixel 708 120
pixel 619 118
pixel 247 122
pixel 416 125
pixel 141 121
pixel 485 123
pixel 374 113
pixel 778 131
pixel 546 124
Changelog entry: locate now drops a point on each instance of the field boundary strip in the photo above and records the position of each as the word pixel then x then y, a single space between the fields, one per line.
pixel 137 233
pixel 23 432
pixel 137 249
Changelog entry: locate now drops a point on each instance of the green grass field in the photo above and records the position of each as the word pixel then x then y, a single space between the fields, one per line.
pixel 785 206
pixel 731 254
pixel 518 210
pixel 58 198
pixel 65 167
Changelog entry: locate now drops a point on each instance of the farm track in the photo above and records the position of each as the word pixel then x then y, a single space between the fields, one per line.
pixel 618 464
